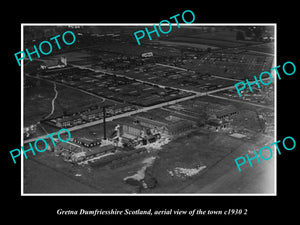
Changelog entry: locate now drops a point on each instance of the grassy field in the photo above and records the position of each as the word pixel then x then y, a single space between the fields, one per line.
pixel 187 44
pixel 266 47
pixel 218 35
pixel 217 152
pixel 40 177
pixel 71 100
pixel 198 149
pixel 217 43
pixel 37 101
pixel 218 38
pixel 225 35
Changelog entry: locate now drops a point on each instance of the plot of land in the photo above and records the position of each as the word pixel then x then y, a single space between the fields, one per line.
pixel 217 152
pixel 37 101
pixel 216 43
pixel 188 44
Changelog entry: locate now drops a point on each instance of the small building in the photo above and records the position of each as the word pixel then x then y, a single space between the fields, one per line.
pixel 76 119
pixel 147 54
pixel 92 114
pixel 87 143
pixel 68 121
pixel 226 111
pixel 64 121
pixel 170 125
pixel 216 124
pixel 55 64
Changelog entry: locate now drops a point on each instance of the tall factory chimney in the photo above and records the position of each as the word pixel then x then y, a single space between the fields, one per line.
pixel 104 123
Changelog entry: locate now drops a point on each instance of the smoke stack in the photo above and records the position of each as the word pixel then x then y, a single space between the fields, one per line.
pixel 104 123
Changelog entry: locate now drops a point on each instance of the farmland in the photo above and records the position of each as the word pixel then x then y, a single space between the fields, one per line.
pixel 217 43
pixel 187 44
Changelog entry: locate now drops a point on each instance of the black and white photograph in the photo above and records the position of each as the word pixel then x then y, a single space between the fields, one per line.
pixel 145 113
pixel 163 116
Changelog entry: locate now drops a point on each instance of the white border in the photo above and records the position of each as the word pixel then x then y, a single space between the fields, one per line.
pixel 149 24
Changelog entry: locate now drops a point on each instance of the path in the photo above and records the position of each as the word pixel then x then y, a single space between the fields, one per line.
pixel 53 102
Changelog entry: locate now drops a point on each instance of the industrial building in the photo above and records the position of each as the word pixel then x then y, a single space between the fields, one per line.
pixel 226 111
pixel 222 111
pixel 179 127
pixel 143 127
pixel 50 65
pixel 131 130
pixel 72 152
pixel 87 143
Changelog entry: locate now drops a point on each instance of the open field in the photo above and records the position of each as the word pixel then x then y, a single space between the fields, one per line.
pixel 216 43
pixel 266 47
pixel 47 173
pixel 217 35
pixel 231 65
pixel 217 152
pixel 224 177
pixel 187 44
pixel 37 101
pixel 225 35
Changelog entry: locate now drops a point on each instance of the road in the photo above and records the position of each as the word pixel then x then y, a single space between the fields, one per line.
pixel 215 76
pixel 53 101
pixel 244 102
pixel 175 67
pixel 135 79
pixel 81 126
pixel 144 109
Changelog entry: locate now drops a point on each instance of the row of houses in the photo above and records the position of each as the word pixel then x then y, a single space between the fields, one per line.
pixel 89 115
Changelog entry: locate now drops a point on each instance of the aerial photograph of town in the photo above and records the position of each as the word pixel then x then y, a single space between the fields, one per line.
pixel 162 117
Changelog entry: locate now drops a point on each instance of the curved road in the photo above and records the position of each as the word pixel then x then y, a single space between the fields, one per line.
pixel 53 102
